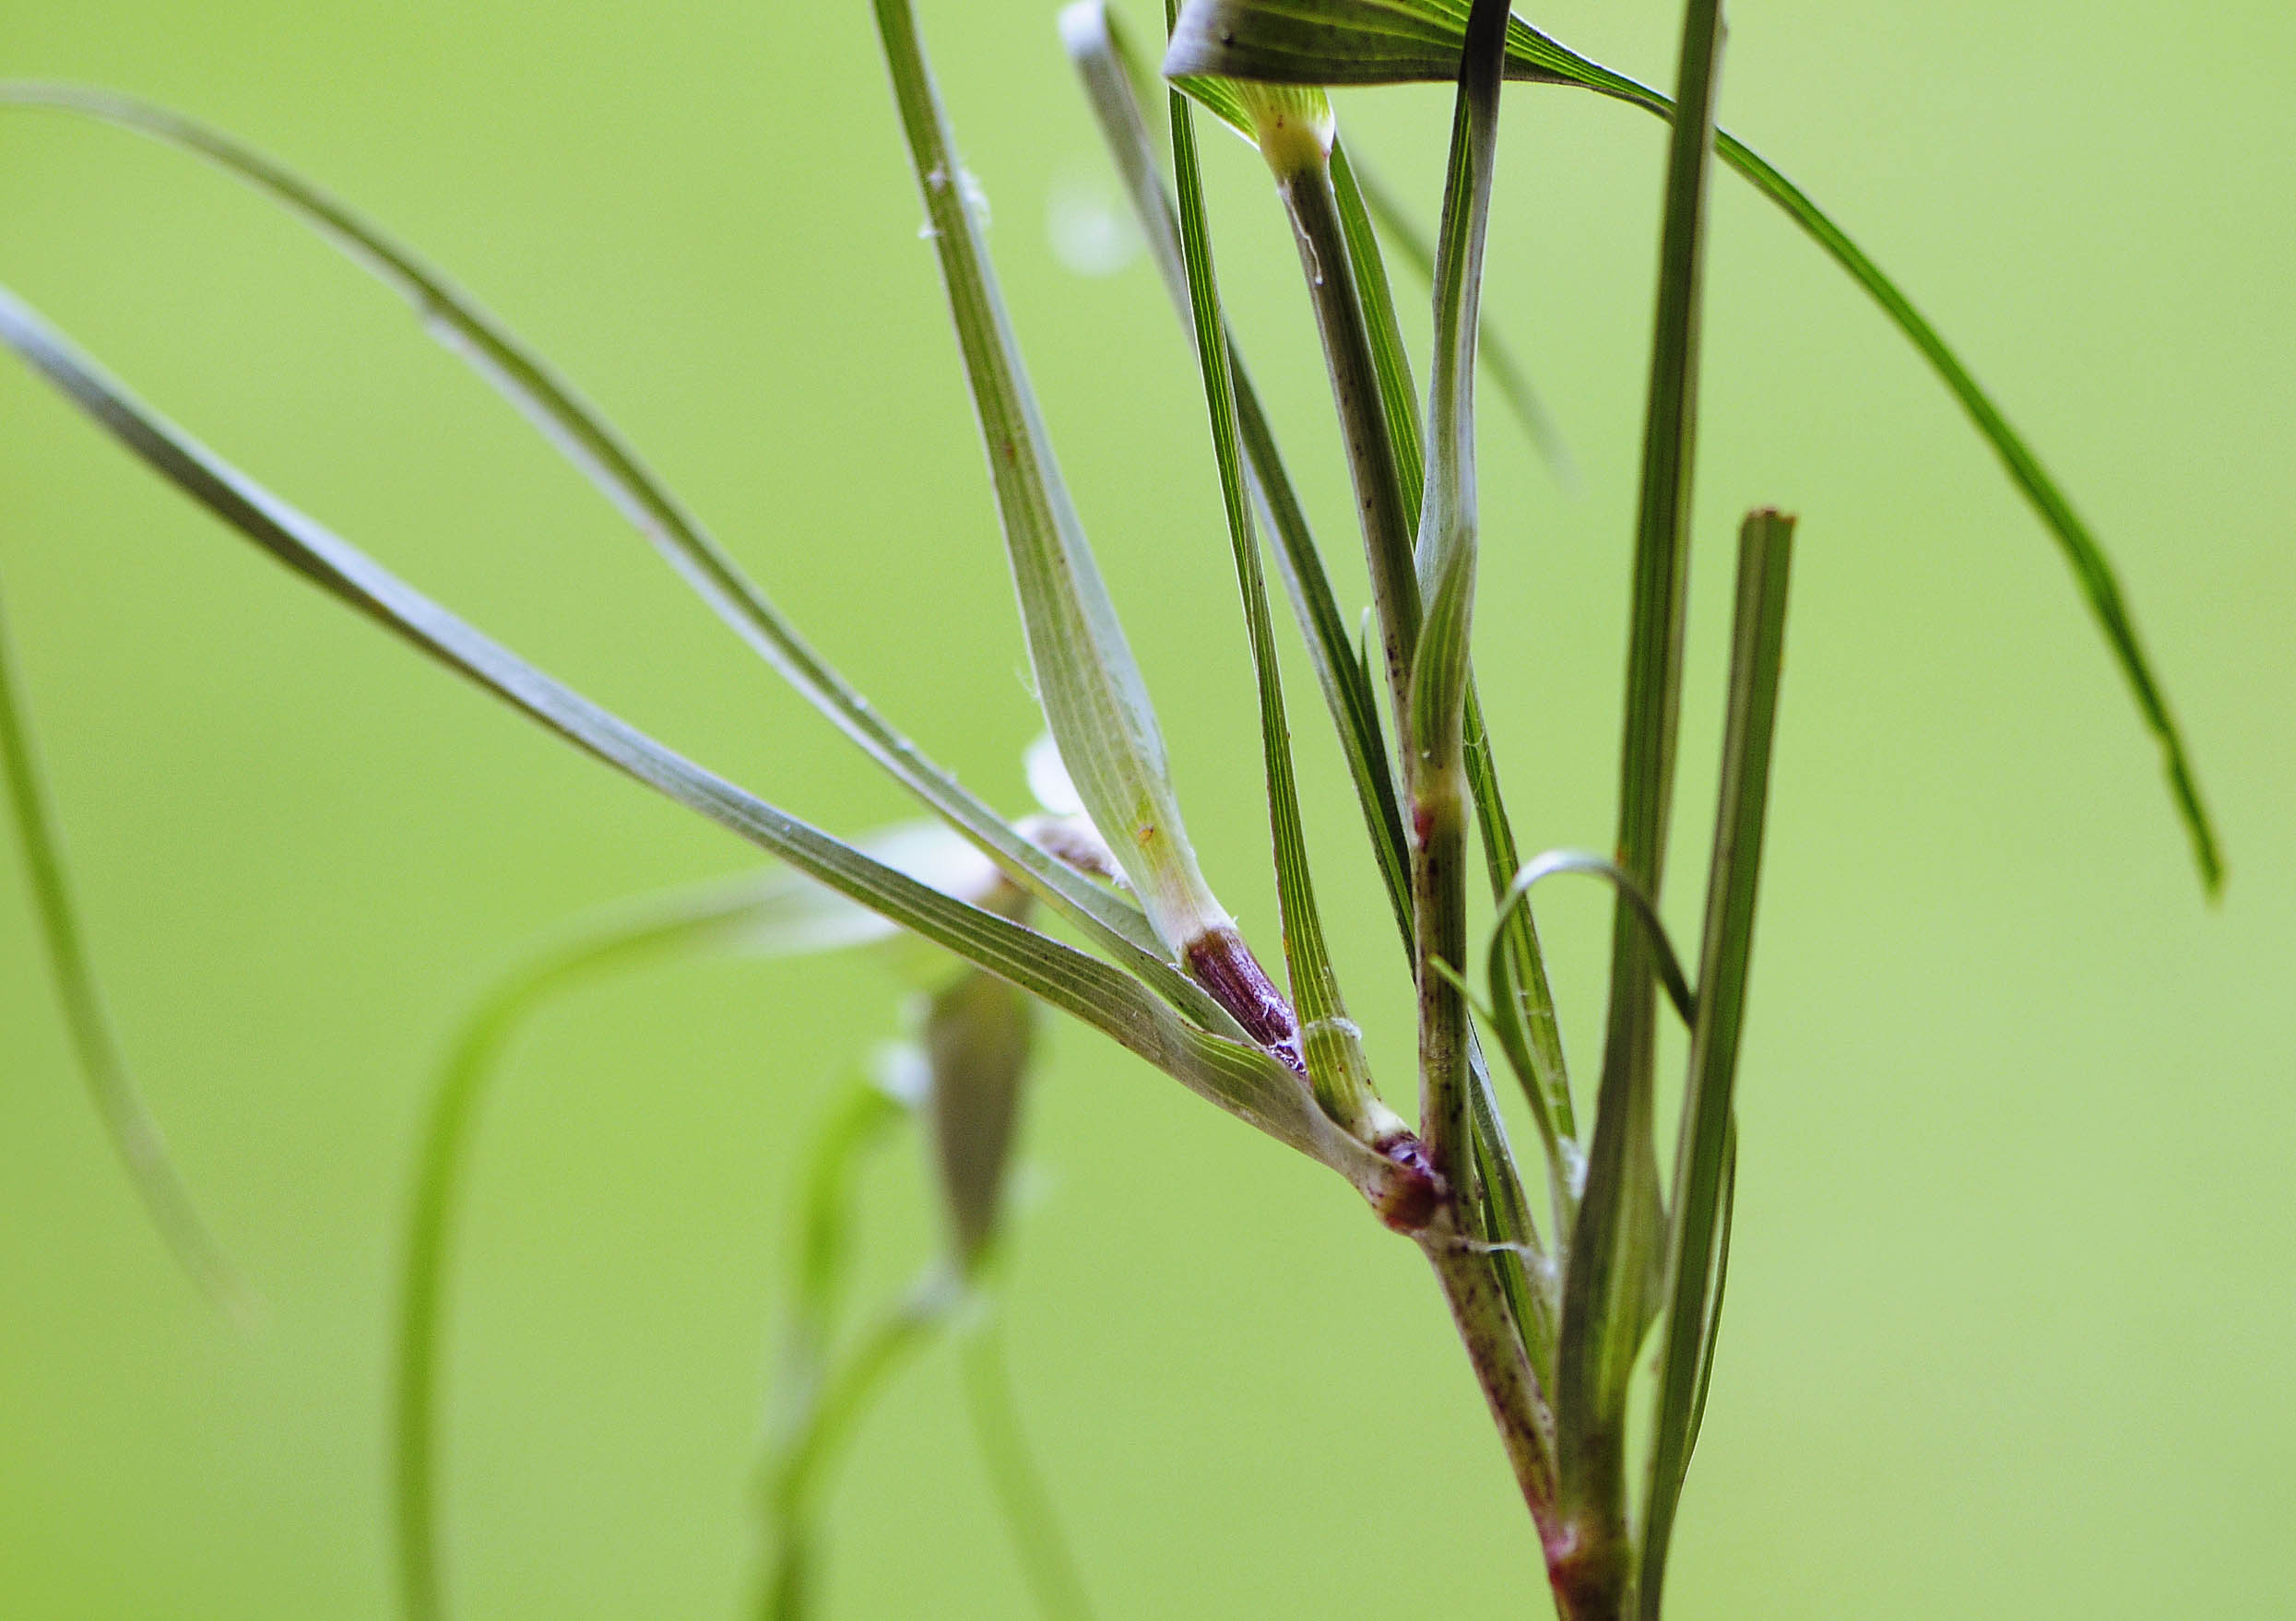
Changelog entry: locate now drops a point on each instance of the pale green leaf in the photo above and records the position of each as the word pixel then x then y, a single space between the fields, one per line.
pixel 1242 1079
pixel 595 450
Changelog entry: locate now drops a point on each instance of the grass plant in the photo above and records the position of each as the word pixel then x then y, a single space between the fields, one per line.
pixel 1565 1268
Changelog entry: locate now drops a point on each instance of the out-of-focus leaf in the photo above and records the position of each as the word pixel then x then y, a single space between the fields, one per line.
pixel 776 914
pixel 127 1121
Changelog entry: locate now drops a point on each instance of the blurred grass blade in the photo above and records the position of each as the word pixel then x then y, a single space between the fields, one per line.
pixel 1241 1079
pixel 1330 1042
pixel 128 1122
pixel 594 449
pixel 980 1039
pixel 1386 41
pixel 1702 1154
pixel 1615 1245
pixel 799 1457
pixel 1092 695
pixel 773 917
pixel 1495 355
pixel 1015 1479
pixel 1349 691
pixel 811 1410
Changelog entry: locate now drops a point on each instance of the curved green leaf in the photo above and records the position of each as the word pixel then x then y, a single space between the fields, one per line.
pixel 1364 41
pixel 119 1105
pixel 600 454
pixel 1244 1079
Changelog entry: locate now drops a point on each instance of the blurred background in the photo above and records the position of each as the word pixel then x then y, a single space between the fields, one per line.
pixel 2010 1324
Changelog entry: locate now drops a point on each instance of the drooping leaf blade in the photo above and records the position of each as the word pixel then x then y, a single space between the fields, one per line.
pixel 1702 1158
pixel 592 445
pixel 1242 1079
pixel 127 1120
pixel 774 915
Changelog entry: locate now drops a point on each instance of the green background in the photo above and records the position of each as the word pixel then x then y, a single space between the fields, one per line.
pixel 2010 1324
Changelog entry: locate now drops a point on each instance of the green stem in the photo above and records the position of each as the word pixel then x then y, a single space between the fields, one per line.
pixel 1386 524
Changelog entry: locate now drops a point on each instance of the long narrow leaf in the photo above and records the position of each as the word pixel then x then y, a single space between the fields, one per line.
pixel 1494 354
pixel 1087 31
pixel 1244 1079
pixel 1089 686
pixel 127 1121
pixel 771 917
pixel 1356 42
pixel 1606 1289
pixel 1329 1044
pixel 591 444
pixel 1702 1156
pixel 1016 1480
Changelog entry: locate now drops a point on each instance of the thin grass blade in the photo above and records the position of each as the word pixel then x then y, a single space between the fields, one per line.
pixel 1644 910
pixel 1242 1079
pixel 772 917
pixel 1094 698
pixel 1607 1291
pixel 1336 1066
pixel 127 1121
pixel 1349 691
pixel 1703 1152
pixel 1016 1480
pixel 1387 40
pixel 591 442
pixel 1494 355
